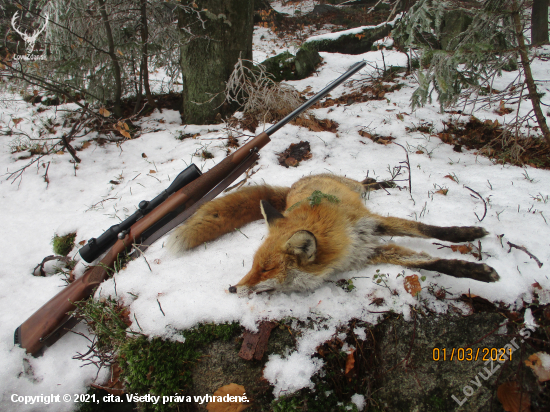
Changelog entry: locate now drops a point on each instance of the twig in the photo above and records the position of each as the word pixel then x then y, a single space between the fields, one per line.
pixel 479 248
pixel 47 259
pixel 407 165
pixel 137 323
pixel 484 203
pixel 160 307
pixel 136 247
pixel 526 251
pixel 249 173
pixel 70 149
pixel 101 201
pixel 46 179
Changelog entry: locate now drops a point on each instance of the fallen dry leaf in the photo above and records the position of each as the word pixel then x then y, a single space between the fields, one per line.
pixel 228 395
pixel 104 112
pixel 540 364
pixel 85 145
pixel 114 385
pixel 510 395
pixel 443 191
pixel 350 361
pixel 502 110
pixel 463 249
pixel 412 285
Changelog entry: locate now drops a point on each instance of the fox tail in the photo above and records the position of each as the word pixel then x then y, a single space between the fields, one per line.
pixel 225 214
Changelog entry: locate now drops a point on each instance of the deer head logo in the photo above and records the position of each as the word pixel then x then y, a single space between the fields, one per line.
pixel 30 40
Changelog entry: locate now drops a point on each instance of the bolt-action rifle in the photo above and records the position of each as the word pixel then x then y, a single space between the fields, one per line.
pixel 151 221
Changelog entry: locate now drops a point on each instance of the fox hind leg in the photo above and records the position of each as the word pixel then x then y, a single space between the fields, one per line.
pixel 394 226
pixel 402 256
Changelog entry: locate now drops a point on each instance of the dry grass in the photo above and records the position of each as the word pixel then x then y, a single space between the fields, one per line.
pixel 258 95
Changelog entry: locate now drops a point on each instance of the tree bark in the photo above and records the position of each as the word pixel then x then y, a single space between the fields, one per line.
pixel 531 86
pixel 539 22
pixel 144 54
pixel 116 66
pixel 209 54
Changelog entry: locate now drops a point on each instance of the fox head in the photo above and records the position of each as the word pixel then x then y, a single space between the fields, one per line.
pixel 285 262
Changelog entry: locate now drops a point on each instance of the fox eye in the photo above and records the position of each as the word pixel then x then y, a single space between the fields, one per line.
pixel 264 270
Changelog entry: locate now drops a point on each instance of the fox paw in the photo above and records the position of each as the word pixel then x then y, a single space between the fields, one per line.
pixel 464 269
pixel 455 233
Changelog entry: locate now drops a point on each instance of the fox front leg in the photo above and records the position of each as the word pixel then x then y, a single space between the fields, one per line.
pixel 398 255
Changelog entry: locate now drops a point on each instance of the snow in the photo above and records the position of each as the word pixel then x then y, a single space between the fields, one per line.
pixel 529 319
pixel 359 401
pixel 291 8
pixel 545 360
pixel 292 373
pixel 192 287
pixel 355 30
pixel 385 42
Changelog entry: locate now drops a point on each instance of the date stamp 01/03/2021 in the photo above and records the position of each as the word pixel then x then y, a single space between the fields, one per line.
pixel 471 355
pixel 492 359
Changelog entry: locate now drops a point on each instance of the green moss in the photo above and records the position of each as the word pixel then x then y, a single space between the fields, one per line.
pixel 62 245
pixel 322 400
pixel 150 366
pixel 437 404
pixel 163 368
pixel 315 199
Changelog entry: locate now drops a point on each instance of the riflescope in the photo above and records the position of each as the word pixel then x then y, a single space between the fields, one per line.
pixel 96 246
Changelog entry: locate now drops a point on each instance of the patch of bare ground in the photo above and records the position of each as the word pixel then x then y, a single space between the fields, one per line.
pixel 491 139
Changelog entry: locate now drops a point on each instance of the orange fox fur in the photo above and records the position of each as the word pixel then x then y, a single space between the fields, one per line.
pixel 325 229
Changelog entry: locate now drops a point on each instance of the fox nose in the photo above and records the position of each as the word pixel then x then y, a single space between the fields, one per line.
pixel 232 289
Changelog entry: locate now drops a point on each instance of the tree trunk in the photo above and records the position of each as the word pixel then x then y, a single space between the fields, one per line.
pixel 539 22
pixel 209 53
pixel 144 54
pixel 531 86
pixel 114 58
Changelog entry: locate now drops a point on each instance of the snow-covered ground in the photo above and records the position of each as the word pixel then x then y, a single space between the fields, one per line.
pixel 192 288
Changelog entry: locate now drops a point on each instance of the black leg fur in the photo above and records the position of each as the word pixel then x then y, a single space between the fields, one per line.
pixel 462 269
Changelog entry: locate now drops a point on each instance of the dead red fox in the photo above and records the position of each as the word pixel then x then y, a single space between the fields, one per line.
pixel 319 227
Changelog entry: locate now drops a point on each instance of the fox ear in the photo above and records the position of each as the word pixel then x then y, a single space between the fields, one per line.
pixel 302 244
pixel 270 214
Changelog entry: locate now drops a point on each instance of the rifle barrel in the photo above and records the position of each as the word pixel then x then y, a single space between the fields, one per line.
pixel 350 72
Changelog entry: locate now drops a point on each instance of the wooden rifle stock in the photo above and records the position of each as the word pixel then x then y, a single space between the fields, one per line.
pixel 46 324
pixel 50 322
